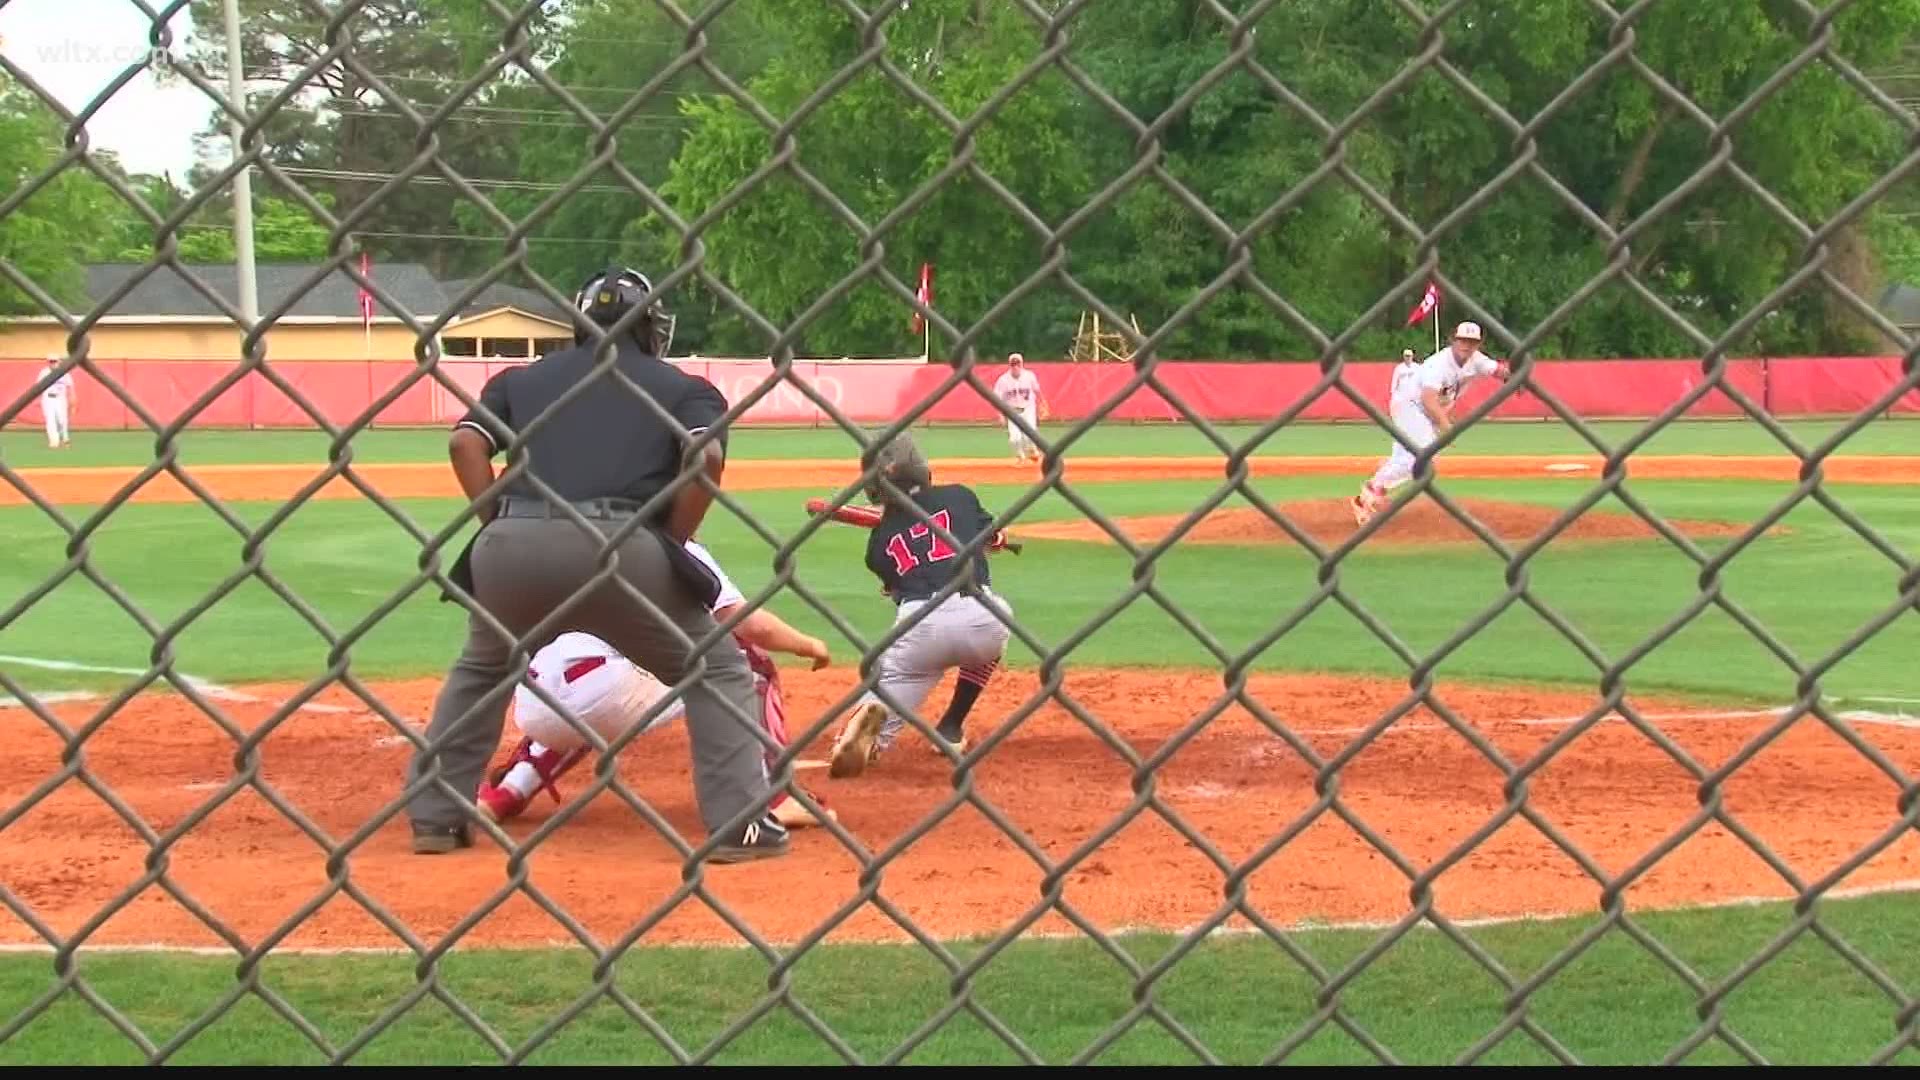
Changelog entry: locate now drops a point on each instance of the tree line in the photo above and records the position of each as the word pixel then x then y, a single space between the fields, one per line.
pixel 1158 200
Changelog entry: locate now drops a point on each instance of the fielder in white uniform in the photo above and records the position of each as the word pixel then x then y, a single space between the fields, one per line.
pixel 1020 390
pixel 607 692
pixel 1422 408
pixel 56 399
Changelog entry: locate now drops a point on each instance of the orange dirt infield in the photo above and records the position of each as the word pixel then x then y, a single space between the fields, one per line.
pixel 279 482
pixel 1612 792
pixel 1420 522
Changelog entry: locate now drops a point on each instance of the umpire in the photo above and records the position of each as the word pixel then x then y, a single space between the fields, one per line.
pixel 606 452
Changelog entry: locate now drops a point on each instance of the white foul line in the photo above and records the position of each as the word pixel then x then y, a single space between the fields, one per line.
pixel 69 665
pixel 51 697
pixel 211 689
pixel 1852 716
pixel 1853 892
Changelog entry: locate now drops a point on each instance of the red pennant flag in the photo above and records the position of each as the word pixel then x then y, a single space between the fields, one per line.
pixel 1428 301
pixel 925 296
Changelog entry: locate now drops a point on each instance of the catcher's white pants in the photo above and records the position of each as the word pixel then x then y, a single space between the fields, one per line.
pixel 608 697
pixel 55 412
pixel 1417 426
pixel 961 632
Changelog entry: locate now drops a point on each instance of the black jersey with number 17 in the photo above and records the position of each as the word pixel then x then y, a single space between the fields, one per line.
pixel 913 561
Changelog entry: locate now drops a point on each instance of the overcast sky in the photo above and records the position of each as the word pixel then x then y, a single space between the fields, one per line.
pixel 75 48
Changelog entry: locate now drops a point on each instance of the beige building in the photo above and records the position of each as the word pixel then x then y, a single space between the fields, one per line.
pixel 165 317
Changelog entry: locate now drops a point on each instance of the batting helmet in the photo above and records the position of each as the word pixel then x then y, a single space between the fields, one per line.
pixel 899 460
pixel 610 294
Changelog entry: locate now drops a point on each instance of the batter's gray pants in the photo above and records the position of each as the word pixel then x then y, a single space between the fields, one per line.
pixel 523 568
pixel 961 632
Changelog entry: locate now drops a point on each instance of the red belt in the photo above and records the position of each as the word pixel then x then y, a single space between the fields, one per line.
pixel 581 667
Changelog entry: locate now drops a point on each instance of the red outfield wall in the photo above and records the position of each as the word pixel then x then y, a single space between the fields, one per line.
pixel 879 391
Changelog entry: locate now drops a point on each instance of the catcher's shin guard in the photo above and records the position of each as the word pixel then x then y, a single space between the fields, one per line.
pixel 787 810
pixel 501 803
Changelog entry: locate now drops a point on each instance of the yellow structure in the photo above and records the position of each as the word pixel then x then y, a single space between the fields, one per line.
pixel 1093 345
pixel 165 318
pixel 504 331
pixel 158 338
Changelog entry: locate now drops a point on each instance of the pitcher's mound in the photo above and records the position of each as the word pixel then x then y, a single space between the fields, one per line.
pixel 1421 521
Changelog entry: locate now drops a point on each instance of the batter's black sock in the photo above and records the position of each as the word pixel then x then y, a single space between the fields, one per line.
pixel 965 693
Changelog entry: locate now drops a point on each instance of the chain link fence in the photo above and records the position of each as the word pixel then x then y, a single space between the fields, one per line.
pixel 1053 25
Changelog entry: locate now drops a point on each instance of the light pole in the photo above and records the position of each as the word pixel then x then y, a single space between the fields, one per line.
pixel 243 181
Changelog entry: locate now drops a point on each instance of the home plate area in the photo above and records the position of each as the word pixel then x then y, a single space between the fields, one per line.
pixel 1418 786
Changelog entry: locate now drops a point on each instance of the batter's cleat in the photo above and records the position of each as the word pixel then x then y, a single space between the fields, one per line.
pixel 440 839
pixel 954 739
pixel 791 813
pixel 762 838
pixel 854 750
pixel 501 803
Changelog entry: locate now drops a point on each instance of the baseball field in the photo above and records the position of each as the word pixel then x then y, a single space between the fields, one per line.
pixel 1393 785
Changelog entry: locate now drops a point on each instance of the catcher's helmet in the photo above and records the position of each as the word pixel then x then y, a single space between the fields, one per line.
pixel 898 459
pixel 611 293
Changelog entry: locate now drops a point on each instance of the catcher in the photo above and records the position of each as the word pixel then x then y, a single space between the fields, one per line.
pixel 967 630
pixel 606 691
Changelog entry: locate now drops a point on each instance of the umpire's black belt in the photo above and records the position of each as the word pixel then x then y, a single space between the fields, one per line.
pixel 609 509
pixel 690 571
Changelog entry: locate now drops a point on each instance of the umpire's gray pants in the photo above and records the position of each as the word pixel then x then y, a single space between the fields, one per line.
pixel 524 568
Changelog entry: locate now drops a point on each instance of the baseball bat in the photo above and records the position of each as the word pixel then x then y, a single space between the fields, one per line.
pixel 865 517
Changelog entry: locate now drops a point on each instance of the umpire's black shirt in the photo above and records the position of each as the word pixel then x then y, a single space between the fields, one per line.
pixel 606 442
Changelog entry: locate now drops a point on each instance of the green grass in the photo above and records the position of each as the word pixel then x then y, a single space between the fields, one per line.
pixel 25 449
pixel 1423 1000
pixel 1813 587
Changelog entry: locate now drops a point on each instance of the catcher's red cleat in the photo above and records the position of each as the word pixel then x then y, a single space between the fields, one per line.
pixel 500 803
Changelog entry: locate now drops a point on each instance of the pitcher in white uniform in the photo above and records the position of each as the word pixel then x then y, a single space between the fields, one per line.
pixel 1020 390
pixel 1422 408
pixel 56 403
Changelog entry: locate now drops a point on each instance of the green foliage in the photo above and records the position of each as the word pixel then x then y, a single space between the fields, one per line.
pixel 603 54
pixel 77 217
pixel 1289 209
pixel 49 236
pixel 353 132
pixel 283 231
pixel 784 245
pixel 1618 149
pixel 1897 242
